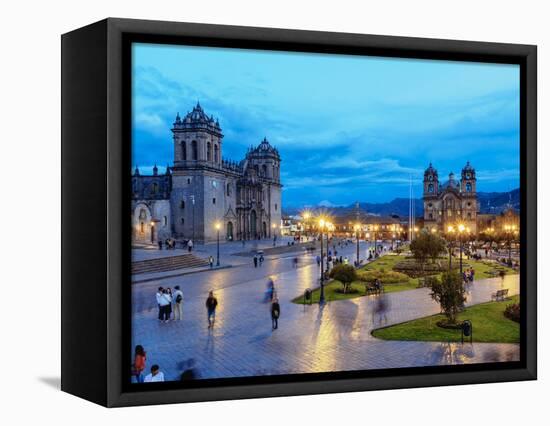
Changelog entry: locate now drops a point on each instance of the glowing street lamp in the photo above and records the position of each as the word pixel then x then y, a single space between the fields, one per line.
pixel 218 226
pixel 357 227
pixel 450 233
pixel 375 229
pixel 461 230
pixel 322 224
pixel 510 231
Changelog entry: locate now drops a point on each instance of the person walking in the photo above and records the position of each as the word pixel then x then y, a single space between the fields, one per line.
pixel 158 296
pixel 211 304
pixel 165 301
pixel 139 363
pixel 178 303
pixel 190 246
pixel 255 261
pixel 270 290
pixel 211 261
pixel 261 259
pixel 155 376
pixel 275 314
pixel 160 244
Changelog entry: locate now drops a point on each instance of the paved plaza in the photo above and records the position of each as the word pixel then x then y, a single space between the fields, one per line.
pixel 311 338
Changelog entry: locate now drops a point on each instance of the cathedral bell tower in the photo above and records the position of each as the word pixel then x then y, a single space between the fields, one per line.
pixel 431 182
pixel 197 139
pixel 468 180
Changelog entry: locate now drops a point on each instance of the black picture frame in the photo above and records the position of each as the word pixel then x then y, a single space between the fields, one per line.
pixel 96 202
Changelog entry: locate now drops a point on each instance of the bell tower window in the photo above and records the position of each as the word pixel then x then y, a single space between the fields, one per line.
pixel 183 151
pixel 194 151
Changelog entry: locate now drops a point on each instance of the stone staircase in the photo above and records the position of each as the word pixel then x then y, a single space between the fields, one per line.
pixel 168 263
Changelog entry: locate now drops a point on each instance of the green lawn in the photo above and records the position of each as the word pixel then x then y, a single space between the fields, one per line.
pixel 488 321
pixel 331 293
pixel 482 268
pixel 387 263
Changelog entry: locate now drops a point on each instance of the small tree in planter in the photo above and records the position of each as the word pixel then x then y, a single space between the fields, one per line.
pixel 427 246
pixel 346 274
pixel 449 293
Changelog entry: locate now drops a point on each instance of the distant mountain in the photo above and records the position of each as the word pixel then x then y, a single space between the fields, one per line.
pixel 495 202
pixel 489 202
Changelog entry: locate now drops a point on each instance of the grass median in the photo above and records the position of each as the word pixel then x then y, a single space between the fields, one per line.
pixel 488 322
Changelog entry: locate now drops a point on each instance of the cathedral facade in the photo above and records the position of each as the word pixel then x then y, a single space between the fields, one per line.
pixel 202 189
pixel 452 202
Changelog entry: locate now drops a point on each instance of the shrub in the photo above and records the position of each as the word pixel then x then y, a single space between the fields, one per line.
pixel 414 269
pixel 449 293
pixel 346 274
pixel 428 281
pixel 512 312
pixel 390 277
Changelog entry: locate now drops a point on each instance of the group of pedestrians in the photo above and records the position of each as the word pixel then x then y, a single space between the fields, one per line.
pixel 169 243
pixel 169 302
pixel 139 365
pixel 270 297
pixel 188 368
pixel 258 260
pixel 468 275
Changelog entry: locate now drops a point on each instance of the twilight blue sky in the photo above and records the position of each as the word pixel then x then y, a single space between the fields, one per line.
pixel 348 128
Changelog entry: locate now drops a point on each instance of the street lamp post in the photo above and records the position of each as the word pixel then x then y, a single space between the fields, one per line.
pixel 450 232
pixel 322 295
pixel 306 217
pixel 393 229
pixel 375 229
pixel 461 230
pixel 218 226
pixel 357 227
pixel 510 230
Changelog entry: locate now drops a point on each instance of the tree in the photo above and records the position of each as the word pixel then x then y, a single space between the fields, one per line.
pixel 449 293
pixel 427 246
pixel 346 274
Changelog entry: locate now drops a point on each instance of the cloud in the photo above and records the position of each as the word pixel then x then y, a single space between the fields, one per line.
pixel 364 149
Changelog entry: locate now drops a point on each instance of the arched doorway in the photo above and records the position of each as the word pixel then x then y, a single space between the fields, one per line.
pixel 264 229
pixel 230 231
pixel 253 224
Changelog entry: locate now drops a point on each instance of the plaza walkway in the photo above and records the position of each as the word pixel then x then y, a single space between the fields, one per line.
pixel 336 337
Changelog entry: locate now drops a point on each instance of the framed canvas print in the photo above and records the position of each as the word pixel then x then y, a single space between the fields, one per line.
pixel 253 212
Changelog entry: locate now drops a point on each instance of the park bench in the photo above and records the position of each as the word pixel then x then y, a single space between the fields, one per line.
pixel 500 294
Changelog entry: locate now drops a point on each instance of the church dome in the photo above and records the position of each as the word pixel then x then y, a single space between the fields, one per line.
pixel 452 183
pixel 264 149
pixel 197 119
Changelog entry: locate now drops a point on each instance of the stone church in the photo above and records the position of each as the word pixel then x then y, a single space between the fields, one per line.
pixel 451 202
pixel 202 189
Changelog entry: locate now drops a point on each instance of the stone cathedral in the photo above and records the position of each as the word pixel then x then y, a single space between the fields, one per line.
pixel 451 202
pixel 202 189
